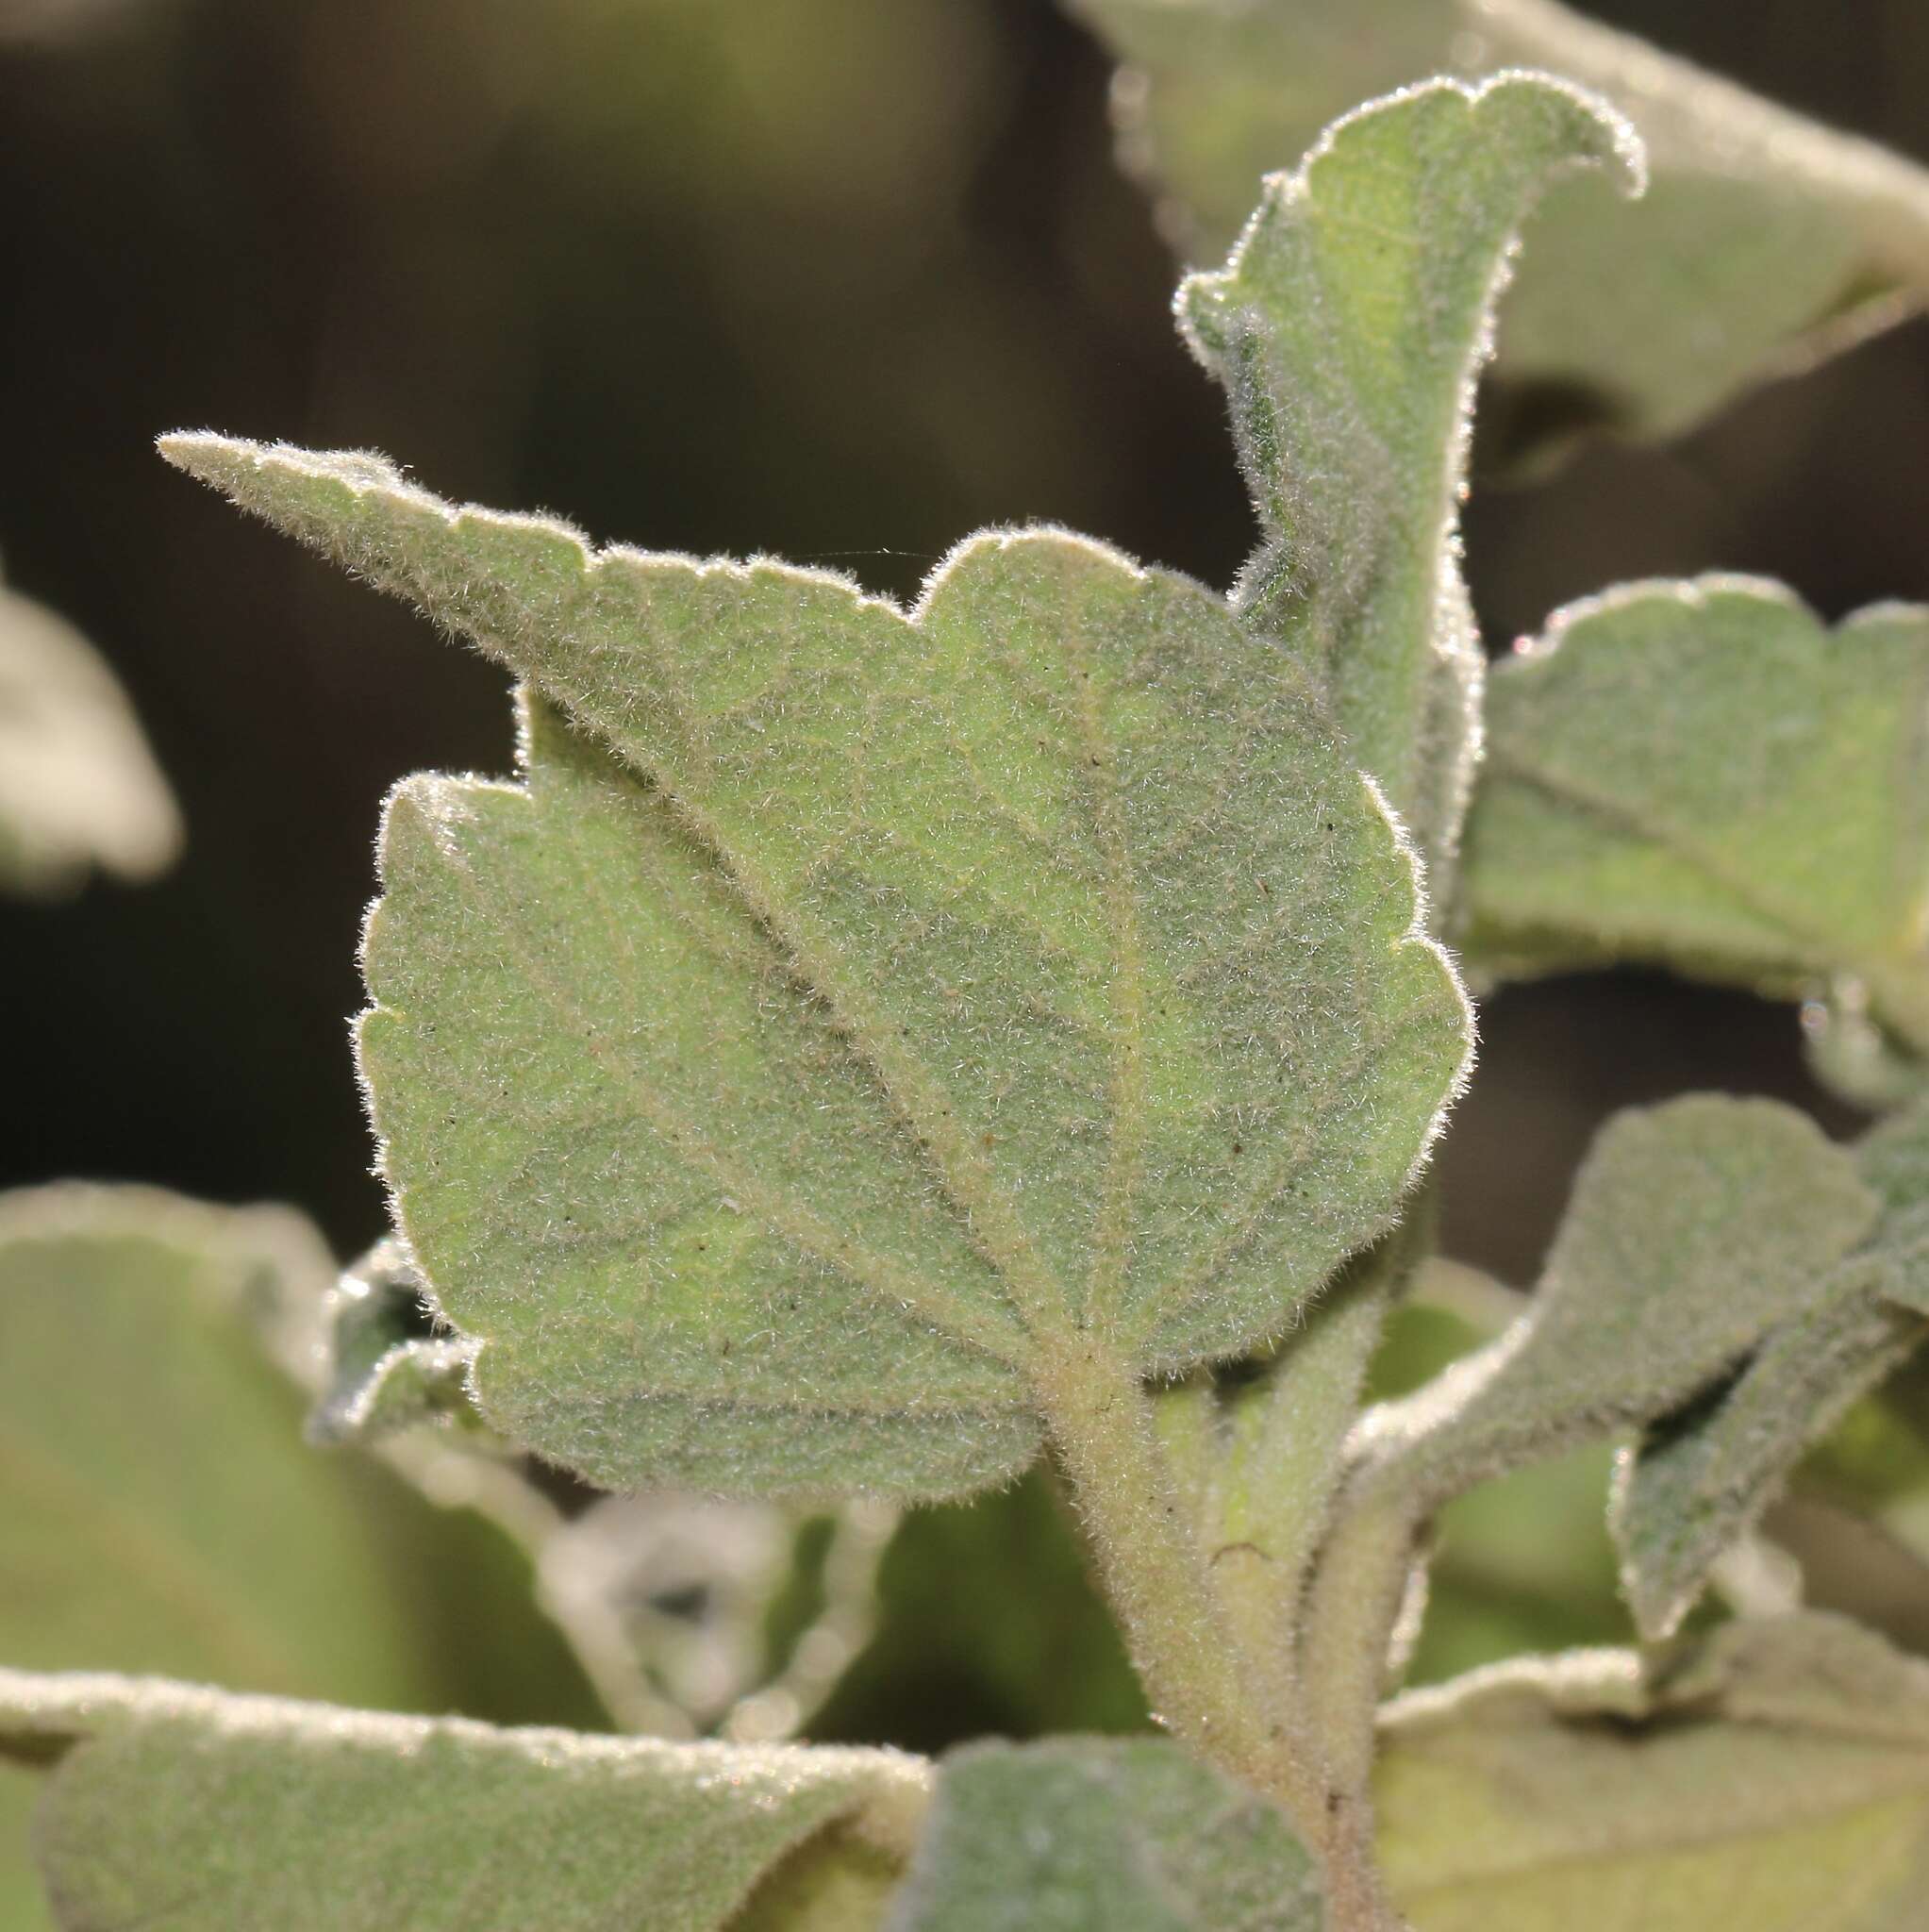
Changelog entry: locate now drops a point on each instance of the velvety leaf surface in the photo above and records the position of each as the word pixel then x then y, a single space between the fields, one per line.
pixel 1765 238
pixel 159 1511
pixel 1703 1475
pixel 1084 1834
pixel 1347 330
pixel 1776 1777
pixel 191 1810
pixel 1695 1228
pixel 847 998
pixel 78 786
pixel 1704 775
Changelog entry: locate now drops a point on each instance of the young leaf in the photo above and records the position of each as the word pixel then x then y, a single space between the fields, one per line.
pixel 1607 827
pixel 196 1811
pixel 1701 1476
pixel 1765 241
pixel 849 1007
pixel 1695 1228
pixel 384 1374
pixel 1347 330
pixel 1776 1777
pixel 1080 1835
pixel 78 786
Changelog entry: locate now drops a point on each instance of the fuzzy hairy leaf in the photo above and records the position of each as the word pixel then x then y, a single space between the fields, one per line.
pixel 1702 774
pixel 1695 1228
pixel 846 998
pixel 1765 239
pixel 1084 1834
pixel 384 1373
pixel 78 786
pixel 1776 1777
pixel 1347 330
pixel 1702 1476
pixel 197 1811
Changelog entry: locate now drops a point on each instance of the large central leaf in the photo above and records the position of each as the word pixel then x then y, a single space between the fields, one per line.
pixel 848 998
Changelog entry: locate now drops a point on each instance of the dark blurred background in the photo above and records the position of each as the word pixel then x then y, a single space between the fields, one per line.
pixel 836 280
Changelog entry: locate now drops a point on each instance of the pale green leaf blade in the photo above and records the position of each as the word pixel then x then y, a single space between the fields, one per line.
pixel 1776 1778
pixel 1695 1228
pixel 1346 330
pixel 1080 1835
pixel 797 1312
pixel 1702 1476
pixel 1058 891
pixel 197 1811
pixel 1703 775
pixel 1765 239
pixel 159 1511
pixel 384 1375
pixel 79 785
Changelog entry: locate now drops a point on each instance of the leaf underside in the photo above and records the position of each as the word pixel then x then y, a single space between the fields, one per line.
pixel 1765 241
pixel 846 998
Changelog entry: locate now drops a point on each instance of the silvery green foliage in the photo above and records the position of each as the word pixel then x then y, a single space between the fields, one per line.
pixel 1347 329
pixel 1695 1228
pixel 1775 1776
pixel 1701 1476
pixel 1800 856
pixel 78 786
pixel 384 1374
pixel 880 989
pixel 1077 1834
pixel 190 1811
pixel 1766 240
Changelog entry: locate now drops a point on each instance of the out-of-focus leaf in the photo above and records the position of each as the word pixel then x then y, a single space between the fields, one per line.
pixel 384 1374
pixel 1694 1228
pixel 1774 1776
pixel 848 1003
pixel 1347 329
pixel 1089 1835
pixel 986 1622
pixel 159 1509
pixel 1765 239
pixel 1702 1476
pixel 78 786
pixel 191 1810
pixel 1702 774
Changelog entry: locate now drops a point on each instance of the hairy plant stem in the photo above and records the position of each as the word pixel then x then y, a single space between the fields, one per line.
pixel 1192 1655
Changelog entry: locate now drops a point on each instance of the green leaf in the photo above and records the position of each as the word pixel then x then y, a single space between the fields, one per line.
pixel 160 1512
pixel 1695 1228
pixel 1347 330
pixel 1765 239
pixel 196 1811
pixel 1701 774
pixel 385 1372
pixel 78 786
pixel 1703 1475
pixel 1775 1777
pixel 1081 1834
pixel 848 1004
